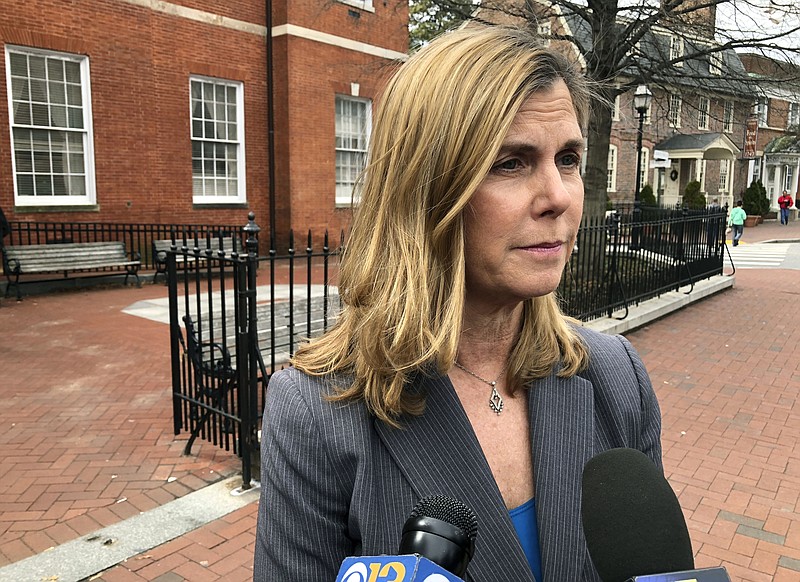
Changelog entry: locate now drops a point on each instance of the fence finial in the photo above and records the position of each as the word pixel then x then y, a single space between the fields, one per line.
pixel 252 230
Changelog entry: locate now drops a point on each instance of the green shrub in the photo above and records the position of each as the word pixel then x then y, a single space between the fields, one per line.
pixel 692 197
pixel 646 195
pixel 754 199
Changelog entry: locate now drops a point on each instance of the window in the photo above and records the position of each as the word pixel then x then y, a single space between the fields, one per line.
pixel 787 181
pixel 724 169
pixel 611 183
pixel 715 63
pixel 544 33
pixel 702 112
pixel 363 4
pixel 676 49
pixel 51 128
pixel 615 110
pixel 793 120
pixel 727 117
pixel 218 175
pixel 761 111
pixel 645 169
pixel 353 125
pixel 675 110
pixel 756 169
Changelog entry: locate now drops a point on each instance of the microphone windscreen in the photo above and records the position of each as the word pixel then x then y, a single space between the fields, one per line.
pixel 449 510
pixel 443 530
pixel 631 518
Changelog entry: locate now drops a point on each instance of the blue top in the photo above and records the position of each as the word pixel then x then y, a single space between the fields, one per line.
pixel 524 520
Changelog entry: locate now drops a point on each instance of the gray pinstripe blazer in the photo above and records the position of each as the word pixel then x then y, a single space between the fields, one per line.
pixel 336 482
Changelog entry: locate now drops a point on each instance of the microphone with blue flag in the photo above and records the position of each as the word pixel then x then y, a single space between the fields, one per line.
pixel 437 543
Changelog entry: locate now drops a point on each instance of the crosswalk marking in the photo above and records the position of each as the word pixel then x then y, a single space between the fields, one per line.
pixel 759 256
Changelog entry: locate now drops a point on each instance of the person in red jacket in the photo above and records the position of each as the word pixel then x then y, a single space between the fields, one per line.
pixel 785 202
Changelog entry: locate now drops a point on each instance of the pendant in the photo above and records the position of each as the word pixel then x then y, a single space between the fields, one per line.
pixel 495 401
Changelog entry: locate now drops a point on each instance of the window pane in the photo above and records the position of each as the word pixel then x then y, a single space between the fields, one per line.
pixel 38 91
pixel 55 69
pixel 72 72
pixel 36 67
pixel 75 118
pixel 22 113
pixel 25 184
pixel 20 89
pixel 44 186
pixel 77 186
pixel 24 160
pixel 74 95
pixel 60 185
pixel 19 64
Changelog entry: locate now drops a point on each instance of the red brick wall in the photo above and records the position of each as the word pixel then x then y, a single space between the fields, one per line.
pixel 140 64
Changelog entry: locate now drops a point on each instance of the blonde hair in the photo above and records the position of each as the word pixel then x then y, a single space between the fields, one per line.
pixel 440 123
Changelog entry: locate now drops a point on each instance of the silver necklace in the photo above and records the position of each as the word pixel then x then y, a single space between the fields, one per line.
pixel 495 400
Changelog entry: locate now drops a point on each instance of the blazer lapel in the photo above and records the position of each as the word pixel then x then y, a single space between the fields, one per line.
pixel 439 453
pixel 562 428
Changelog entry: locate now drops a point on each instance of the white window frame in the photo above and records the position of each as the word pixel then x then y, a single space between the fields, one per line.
pixel 703 109
pixel 208 157
pixel 347 190
pixel 676 49
pixel 645 168
pixel 727 117
pixel 788 177
pixel 793 116
pixel 544 31
pixel 762 111
pixel 68 157
pixel 674 113
pixel 611 175
pixel 362 4
pixel 715 63
pixel 724 176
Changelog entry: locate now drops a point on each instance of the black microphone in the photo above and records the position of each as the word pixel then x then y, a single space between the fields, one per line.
pixel 631 518
pixel 437 543
pixel 443 530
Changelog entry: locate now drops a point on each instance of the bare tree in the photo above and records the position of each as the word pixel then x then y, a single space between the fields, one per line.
pixel 614 41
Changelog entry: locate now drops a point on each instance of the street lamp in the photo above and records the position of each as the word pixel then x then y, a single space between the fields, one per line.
pixel 641 103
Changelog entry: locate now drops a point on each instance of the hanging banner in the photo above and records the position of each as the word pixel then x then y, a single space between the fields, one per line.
pixel 750 138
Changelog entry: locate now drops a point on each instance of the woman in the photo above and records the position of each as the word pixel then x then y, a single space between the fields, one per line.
pixel 451 369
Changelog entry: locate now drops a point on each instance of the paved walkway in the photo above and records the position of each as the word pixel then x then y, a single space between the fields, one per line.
pixel 86 440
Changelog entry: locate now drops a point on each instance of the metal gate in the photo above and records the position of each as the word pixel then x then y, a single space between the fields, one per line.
pixel 218 374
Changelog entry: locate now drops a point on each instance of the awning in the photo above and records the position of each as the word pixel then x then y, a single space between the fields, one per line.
pixel 700 146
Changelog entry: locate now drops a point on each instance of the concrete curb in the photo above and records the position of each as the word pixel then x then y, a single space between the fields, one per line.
pixel 84 557
pixel 647 311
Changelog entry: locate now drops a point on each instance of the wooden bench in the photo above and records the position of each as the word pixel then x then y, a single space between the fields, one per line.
pixel 160 248
pixel 65 258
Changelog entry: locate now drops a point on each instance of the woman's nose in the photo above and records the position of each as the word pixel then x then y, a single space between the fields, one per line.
pixel 549 192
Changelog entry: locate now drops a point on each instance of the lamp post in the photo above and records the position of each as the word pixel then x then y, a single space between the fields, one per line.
pixel 641 103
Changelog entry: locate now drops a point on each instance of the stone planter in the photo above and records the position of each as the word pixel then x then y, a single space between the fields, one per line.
pixel 752 220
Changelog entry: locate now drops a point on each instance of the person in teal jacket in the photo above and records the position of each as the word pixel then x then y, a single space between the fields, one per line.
pixel 736 221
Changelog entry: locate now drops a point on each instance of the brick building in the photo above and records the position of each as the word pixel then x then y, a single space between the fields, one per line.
pixel 143 111
pixel 776 156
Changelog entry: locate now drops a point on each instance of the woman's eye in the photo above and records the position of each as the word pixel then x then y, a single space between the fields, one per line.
pixel 570 160
pixel 507 165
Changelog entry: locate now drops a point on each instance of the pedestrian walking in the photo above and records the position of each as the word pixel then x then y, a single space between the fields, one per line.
pixel 785 202
pixel 736 222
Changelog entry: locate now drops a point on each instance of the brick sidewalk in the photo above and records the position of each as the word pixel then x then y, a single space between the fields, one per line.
pixel 87 438
pixel 86 412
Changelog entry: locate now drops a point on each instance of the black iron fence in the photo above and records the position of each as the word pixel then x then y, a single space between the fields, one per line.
pixel 230 330
pixel 231 326
pixel 620 261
